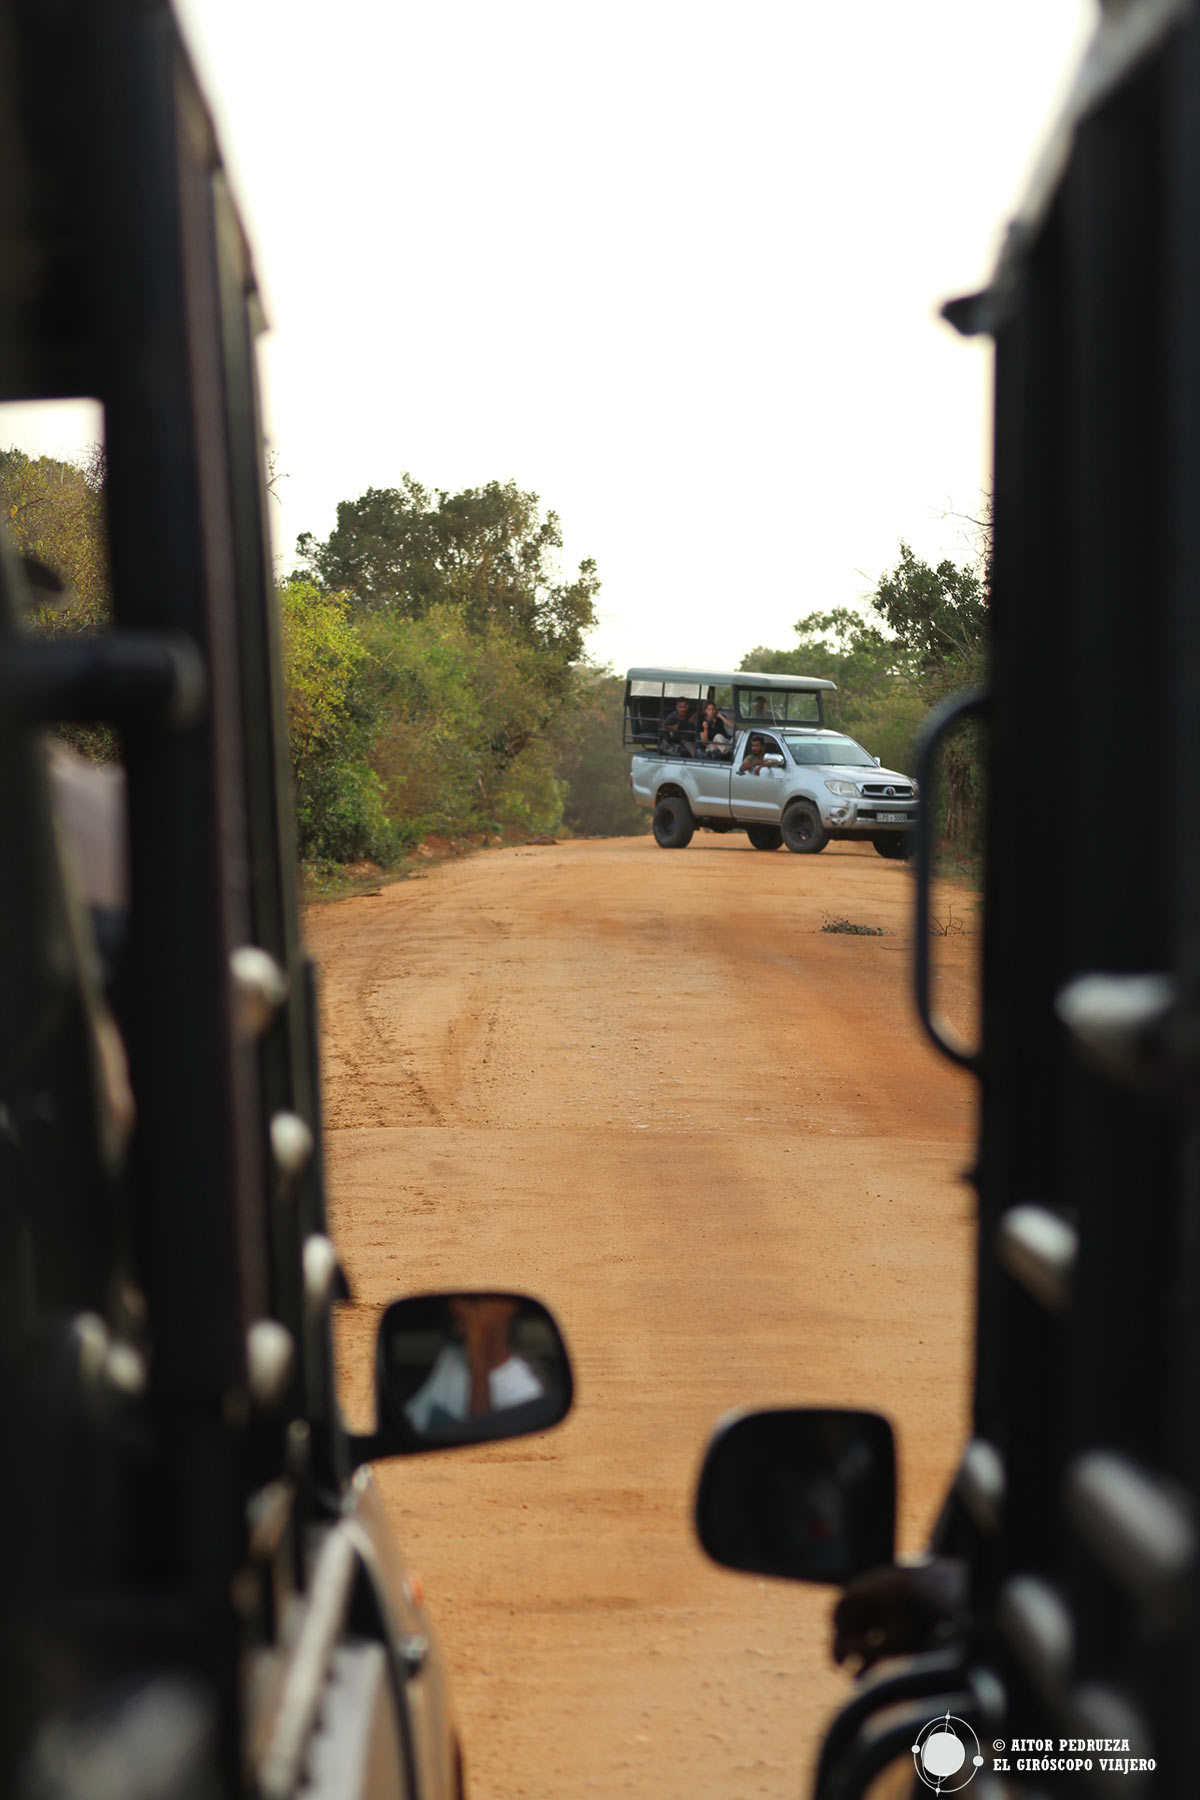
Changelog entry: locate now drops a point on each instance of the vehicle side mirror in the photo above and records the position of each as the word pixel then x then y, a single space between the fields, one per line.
pixel 877 762
pixel 774 761
pixel 456 1369
pixel 804 1492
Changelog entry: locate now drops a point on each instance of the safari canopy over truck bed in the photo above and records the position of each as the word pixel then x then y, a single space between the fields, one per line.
pixel 748 698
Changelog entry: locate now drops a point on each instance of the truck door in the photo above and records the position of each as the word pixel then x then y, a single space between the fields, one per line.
pixel 757 799
pixel 712 775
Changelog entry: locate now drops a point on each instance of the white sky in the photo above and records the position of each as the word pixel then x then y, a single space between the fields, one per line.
pixel 673 267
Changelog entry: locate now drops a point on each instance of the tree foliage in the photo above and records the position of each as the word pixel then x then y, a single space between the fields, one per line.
pixel 54 512
pixel 487 551
pixel 876 699
pixel 939 616
pixel 470 636
pixel 333 721
pixel 592 762
pixel 927 639
pixel 55 516
pixel 465 743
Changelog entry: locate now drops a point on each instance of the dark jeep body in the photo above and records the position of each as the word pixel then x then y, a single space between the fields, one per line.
pixel 199 1597
pixel 1052 1638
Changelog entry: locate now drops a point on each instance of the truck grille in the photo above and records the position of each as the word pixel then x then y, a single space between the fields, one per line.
pixel 892 790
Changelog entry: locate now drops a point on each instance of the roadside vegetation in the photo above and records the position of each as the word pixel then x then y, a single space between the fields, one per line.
pixel 466 707
pixel 438 684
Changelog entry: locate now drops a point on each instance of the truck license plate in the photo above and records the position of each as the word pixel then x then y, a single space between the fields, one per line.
pixel 891 818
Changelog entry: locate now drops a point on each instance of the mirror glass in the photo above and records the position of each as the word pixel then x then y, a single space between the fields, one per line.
pixel 467 1368
pixel 806 1493
pixel 955 819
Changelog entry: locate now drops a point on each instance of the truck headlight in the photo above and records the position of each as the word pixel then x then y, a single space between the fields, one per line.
pixel 849 788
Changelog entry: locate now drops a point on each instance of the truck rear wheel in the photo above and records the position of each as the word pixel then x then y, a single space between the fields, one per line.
pixel 673 823
pixel 764 837
pixel 802 829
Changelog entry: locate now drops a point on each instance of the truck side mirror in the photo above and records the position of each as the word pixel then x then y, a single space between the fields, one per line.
pixel 462 1368
pixel 806 1493
pixel 774 761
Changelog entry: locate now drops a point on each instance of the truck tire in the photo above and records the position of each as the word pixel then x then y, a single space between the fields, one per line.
pixel 673 823
pixel 802 829
pixel 764 837
pixel 897 846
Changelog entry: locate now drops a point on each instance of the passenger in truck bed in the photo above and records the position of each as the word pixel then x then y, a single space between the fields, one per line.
pixel 678 731
pixel 716 732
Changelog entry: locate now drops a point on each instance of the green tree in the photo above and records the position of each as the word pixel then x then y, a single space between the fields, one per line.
pixel 332 723
pixel 877 698
pixel 55 515
pixel 593 764
pixel 466 743
pixel 927 640
pixel 54 512
pixel 486 550
pixel 938 616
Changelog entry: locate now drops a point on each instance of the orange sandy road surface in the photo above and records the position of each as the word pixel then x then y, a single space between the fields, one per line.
pixel 646 1087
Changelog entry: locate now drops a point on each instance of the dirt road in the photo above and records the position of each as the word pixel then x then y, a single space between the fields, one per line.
pixel 648 1088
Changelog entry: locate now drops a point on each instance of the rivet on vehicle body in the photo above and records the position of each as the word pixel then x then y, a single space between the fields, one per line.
pixel 125 1368
pixel 270 1353
pixel 291 1143
pixel 259 986
pixel 92 1334
pixel 320 1273
pixel 1039 1249
pixel 1038 1628
pixel 1139 1527
pixel 1110 1018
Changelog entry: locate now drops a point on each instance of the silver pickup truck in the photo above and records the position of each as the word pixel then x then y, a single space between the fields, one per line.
pixel 747 752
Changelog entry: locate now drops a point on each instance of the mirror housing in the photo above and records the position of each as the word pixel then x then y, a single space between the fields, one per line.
pixel 773 761
pixel 465 1368
pixel 807 1493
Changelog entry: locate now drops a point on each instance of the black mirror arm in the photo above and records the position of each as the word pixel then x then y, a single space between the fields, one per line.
pixel 972 703
pixel 909 1679
pixel 368 1446
pixel 874 1746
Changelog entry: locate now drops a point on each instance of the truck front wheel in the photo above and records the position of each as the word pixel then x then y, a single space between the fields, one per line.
pixel 802 829
pixel 673 823
pixel 894 844
pixel 764 837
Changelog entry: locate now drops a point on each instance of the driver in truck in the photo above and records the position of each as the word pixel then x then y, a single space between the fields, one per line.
pixel 755 759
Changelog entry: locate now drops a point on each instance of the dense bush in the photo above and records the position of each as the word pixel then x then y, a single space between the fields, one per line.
pixel 466 637
pixel 592 762
pixel 333 720
pixel 462 744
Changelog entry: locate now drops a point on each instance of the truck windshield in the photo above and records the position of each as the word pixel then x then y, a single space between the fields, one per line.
pixel 843 750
